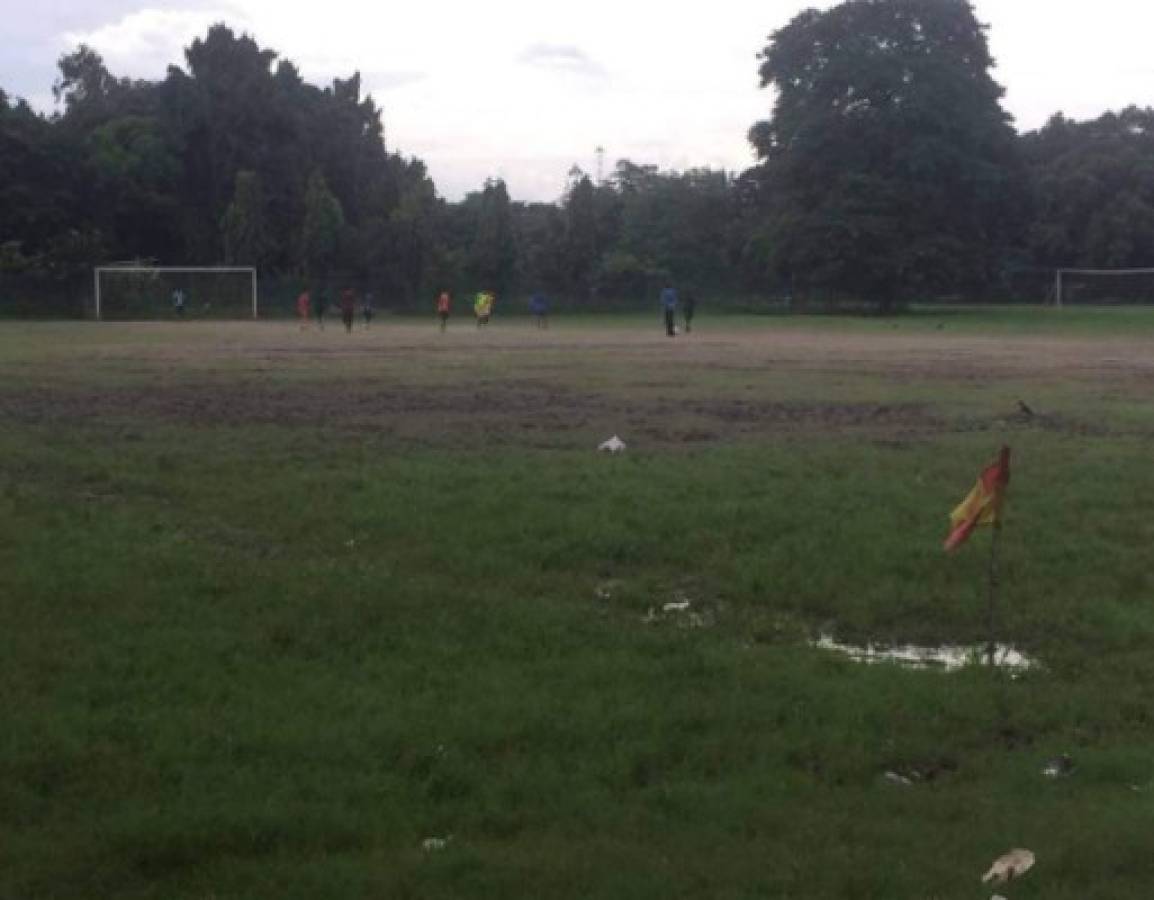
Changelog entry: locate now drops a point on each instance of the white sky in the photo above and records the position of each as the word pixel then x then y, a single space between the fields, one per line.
pixel 523 90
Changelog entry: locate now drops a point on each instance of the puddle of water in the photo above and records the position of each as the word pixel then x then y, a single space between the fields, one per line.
pixel 947 658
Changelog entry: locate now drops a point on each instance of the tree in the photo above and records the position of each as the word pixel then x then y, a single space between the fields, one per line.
pixel 36 178
pixel 136 169
pixel 133 186
pixel 234 115
pixel 670 225
pixel 890 165
pixel 541 257
pixel 321 229
pixel 85 84
pixel 1093 191
pixel 581 240
pixel 244 227
pixel 493 259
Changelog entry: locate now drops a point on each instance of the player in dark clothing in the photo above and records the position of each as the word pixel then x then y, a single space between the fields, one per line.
pixel 320 304
pixel 348 308
pixel 669 305
pixel 688 308
pixel 444 306
pixel 539 307
pixel 367 309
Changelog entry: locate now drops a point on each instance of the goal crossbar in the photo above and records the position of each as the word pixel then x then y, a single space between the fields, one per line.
pixel 176 270
pixel 1061 273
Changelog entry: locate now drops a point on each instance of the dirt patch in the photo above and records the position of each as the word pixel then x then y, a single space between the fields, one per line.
pixel 409 384
pixel 533 414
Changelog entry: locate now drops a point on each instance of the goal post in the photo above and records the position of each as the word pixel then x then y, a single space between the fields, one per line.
pixel 1112 286
pixel 131 291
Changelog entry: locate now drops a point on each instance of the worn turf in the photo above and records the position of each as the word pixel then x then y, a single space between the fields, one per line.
pixel 278 607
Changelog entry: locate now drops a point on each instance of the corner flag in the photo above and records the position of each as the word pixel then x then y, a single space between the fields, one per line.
pixel 983 505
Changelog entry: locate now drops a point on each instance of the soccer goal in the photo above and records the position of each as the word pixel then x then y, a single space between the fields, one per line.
pixel 1103 287
pixel 174 292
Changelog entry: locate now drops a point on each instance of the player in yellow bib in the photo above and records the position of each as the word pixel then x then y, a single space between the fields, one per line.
pixel 483 308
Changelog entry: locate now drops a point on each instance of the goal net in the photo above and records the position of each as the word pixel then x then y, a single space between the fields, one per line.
pixel 167 292
pixel 1103 287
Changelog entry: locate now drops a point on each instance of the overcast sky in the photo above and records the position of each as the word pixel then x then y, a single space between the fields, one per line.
pixel 524 89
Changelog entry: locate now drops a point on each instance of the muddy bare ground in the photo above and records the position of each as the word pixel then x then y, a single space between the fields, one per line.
pixel 537 415
pixel 911 354
pixel 406 384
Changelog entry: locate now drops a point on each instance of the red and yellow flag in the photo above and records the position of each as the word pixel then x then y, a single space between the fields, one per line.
pixel 983 506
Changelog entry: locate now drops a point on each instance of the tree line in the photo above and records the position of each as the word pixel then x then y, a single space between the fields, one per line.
pixel 888 170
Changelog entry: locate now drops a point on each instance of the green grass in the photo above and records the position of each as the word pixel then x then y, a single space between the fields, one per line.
pixel 267 656
pixel 994 319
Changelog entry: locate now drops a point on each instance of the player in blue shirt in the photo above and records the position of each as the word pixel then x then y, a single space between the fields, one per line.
pixel 539 307
pixel 669 304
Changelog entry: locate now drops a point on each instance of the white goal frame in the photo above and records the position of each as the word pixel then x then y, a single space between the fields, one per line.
pixel 1061 273
pixel 173 269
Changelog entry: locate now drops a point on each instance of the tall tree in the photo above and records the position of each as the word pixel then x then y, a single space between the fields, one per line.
pixel 1093 187
pixel 36 179
pixel 890 165
pixel 321 229
pixel 85 86
pixel 541 256
pixel 244 226
pixel 232 119
pixel 581 240
pixel 133 173
pixel 493 259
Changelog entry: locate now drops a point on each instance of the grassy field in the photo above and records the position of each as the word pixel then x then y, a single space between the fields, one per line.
pixel 277 608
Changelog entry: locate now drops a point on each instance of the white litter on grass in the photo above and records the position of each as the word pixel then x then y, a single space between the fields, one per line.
pixel 1059 767
pixel 434 844
pixel 1012 865
pixel 679 612
pixel 898 780
pixel 606 589
pixel 947 658
pixel 613 445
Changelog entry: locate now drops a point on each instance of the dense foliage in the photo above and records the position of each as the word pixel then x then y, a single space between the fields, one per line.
pixel 887 170
pixel 890 166
pixel 1094 184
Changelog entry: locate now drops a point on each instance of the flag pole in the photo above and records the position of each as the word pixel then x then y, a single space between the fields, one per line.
pixel 992 590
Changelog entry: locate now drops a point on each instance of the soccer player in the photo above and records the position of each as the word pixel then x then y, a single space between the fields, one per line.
pixel 688 308
pixel 367 309
pixel 178 303
pixel 483 308
pixel 444 304
pixel 319 305
pixel 348 309
pixel 669 304
pixel 303 309
pixel 539 307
